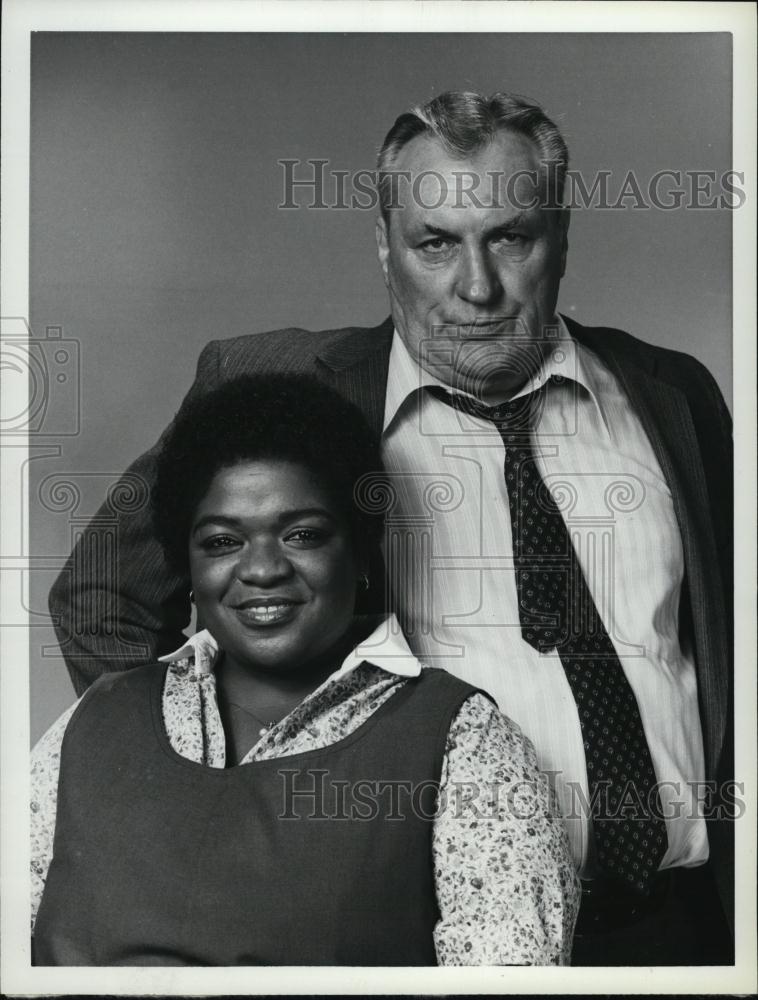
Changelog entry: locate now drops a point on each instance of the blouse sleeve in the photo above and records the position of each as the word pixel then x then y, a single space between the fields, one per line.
pixel 506 884
pixel 45 766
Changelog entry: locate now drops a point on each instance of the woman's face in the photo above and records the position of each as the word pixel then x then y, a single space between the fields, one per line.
pixel 273 566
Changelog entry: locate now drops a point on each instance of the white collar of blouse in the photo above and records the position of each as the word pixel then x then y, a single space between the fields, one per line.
pixel 386 648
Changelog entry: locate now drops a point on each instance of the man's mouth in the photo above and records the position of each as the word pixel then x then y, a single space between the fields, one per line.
pixel 267 611
pixel 483 329
pixel 513 323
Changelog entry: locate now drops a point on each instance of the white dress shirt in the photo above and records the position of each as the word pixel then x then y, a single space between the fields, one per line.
pixel 449 557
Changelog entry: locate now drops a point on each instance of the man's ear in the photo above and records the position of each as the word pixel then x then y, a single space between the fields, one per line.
pixel 383 247
pixel 564 224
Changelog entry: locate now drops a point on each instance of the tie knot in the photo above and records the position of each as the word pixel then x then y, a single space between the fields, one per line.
pixel 513 416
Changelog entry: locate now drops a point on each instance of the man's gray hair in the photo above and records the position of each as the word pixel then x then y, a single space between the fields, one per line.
pixel 463 122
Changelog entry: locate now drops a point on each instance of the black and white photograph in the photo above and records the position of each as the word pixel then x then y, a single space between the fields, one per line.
pixel 378 445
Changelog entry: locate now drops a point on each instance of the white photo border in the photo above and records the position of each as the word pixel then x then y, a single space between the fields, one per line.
pixel 20 19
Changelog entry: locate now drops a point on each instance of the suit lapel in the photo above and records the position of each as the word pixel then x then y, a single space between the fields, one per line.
pixel 667 420
pixel 356 365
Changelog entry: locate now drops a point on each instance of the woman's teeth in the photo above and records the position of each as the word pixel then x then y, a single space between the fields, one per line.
pixel 265 613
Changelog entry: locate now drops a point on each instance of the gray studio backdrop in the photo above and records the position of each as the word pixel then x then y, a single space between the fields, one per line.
pixel 155 226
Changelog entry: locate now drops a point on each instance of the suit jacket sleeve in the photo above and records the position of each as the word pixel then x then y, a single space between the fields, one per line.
pixel 713 426
pixel 113 610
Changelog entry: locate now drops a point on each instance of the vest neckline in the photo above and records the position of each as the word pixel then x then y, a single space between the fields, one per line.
pixel 407 687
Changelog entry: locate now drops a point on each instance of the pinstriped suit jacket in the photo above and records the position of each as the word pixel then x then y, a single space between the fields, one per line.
pixel 675 397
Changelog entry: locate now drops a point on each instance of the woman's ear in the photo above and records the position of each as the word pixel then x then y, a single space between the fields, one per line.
pixel 369 589
pixel 363 567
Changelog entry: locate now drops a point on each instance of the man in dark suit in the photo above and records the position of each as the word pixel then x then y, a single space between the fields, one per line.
pixel 599 622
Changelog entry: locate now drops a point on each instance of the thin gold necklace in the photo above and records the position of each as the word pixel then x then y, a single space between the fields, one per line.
pixel 266 726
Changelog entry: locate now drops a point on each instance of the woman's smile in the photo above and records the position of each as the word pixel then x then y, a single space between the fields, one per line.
pixel 265 612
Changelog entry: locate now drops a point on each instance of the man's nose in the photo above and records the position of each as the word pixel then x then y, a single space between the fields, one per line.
pixel 263 563
pixel 477 280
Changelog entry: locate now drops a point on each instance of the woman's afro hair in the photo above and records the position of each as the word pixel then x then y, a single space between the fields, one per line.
pixel 281 417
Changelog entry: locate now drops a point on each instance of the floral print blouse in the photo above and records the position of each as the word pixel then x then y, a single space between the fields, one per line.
pixel 506 885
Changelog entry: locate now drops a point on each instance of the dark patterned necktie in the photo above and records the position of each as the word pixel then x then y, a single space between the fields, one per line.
pixel 557 612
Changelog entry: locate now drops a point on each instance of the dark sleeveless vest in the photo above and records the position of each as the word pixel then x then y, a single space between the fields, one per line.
pixel 319 858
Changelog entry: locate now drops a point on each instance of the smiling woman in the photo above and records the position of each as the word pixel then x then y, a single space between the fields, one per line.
pixel 275 547
pixel 274 572
pixel 291 786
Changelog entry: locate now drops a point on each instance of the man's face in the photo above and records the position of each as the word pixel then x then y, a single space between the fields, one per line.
pixel 473 285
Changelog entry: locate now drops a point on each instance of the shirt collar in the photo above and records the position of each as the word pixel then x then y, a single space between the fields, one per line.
pixel 385 648
pixel 568 361
pixel 201 650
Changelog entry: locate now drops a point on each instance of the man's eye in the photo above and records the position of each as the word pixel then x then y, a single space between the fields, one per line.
pixel 438 245
pixel 511 239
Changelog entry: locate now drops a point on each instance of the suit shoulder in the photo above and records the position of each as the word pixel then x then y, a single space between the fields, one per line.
pixel 293 349
pixel 676 367
pixel 668 359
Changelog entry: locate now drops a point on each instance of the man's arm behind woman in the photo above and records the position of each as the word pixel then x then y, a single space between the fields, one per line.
pixel 116 606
